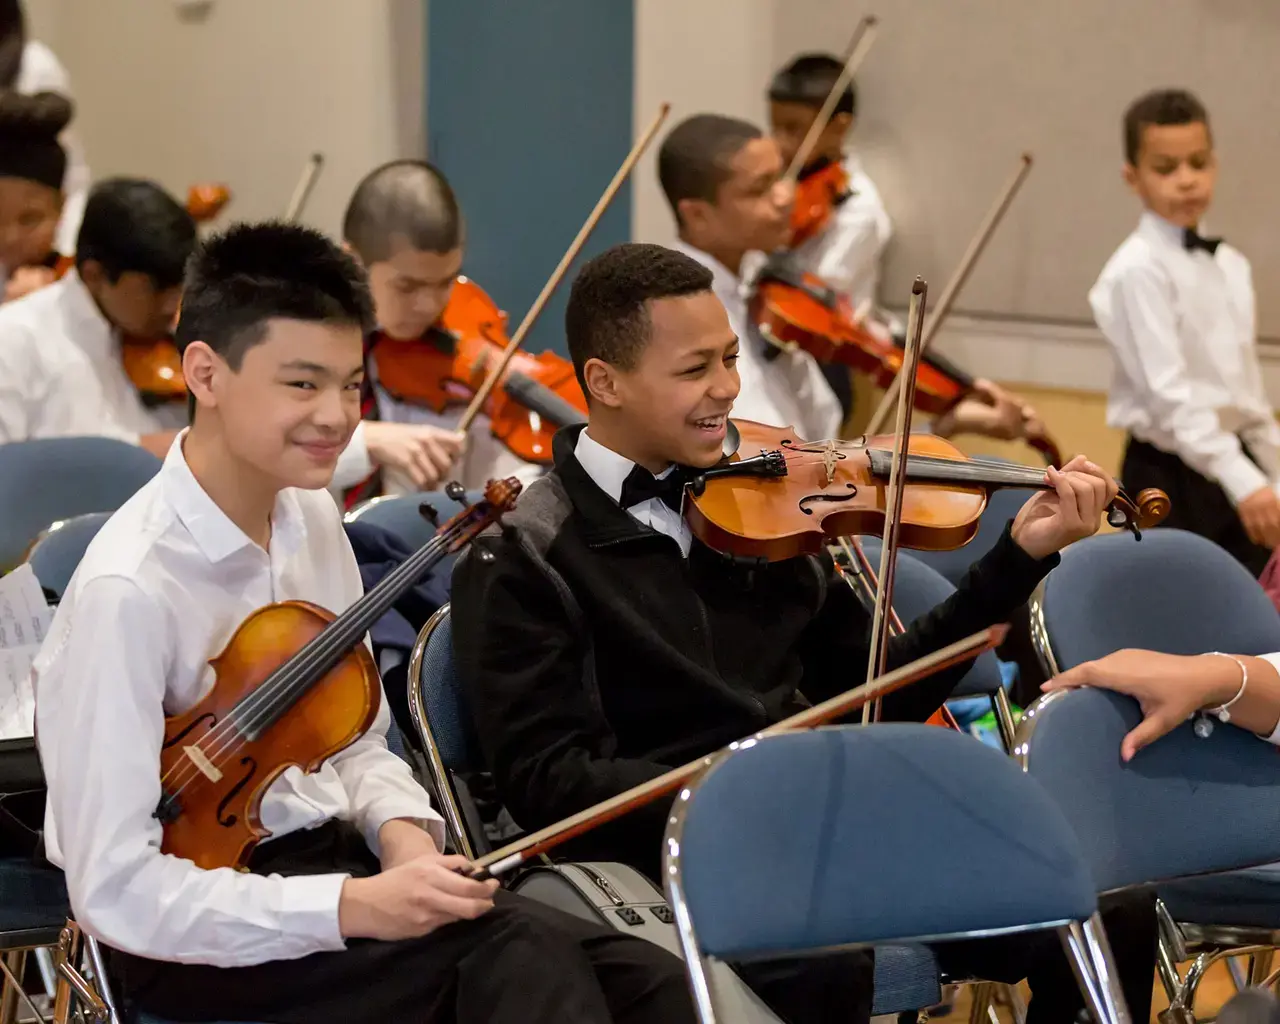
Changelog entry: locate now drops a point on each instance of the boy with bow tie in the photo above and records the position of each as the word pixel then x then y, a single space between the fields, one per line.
pixel 1179 310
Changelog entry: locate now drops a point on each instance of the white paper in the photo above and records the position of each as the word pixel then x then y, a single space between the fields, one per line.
pixel 24 613
pixel 17 698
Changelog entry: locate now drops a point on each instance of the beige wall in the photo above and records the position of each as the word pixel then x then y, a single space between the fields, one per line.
pixel 244 92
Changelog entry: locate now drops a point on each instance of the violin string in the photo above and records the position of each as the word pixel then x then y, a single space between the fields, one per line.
pixel 975 470
pixel 266 699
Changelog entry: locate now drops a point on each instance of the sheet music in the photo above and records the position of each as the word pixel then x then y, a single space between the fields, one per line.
pixel 25 616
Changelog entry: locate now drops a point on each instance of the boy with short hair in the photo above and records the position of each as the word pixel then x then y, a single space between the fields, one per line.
pixel 1180 314
pixel 601 644
pixel 61 367
pixel 349 911
pixel 405 225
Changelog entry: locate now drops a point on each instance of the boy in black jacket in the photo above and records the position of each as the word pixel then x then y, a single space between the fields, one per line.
pixel 601 645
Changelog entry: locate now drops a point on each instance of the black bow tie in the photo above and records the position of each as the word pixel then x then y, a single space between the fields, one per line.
pixel 1192 241
pixel 641 485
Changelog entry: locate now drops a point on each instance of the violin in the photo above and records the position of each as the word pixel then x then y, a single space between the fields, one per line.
pixel 206 201
pixel 535 395
pixel 818 191
pixel 294 686
pixel 778 496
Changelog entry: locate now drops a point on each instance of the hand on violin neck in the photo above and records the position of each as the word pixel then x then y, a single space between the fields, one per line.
pixel 1071 511
pixel 423 453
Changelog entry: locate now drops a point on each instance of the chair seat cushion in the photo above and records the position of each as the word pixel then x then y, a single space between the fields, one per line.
pixel 906 979
pixel 31 897
pixel 1248 898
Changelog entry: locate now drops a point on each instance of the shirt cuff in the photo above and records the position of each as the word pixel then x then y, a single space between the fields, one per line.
pixel 310 907
pixel 404 806
pixel 355 463
pixel 1240 477
pixel 1274 661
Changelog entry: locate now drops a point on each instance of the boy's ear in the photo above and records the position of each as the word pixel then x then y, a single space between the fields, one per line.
pixel 1130 175
pixel 602 383
pixel 201 366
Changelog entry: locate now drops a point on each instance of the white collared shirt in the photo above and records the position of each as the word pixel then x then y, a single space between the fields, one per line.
pixel 61 373
pixel 41 71
pixel 1186 376
pixel 159 592
pixel 788 390
pixel 847 254
pixel 609 470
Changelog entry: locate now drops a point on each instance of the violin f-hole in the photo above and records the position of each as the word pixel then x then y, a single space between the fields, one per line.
pixel 227 820
pixel 190 725
pixel 803 504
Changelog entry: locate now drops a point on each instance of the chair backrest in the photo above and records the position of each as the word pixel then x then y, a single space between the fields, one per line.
pixel 441 713
pixel 809 840
pixel 1173 592
pixel 58 551
pixel 400 515
pixel 917 589
pixel 54 478
pixel 1002 506
pixel 1184 805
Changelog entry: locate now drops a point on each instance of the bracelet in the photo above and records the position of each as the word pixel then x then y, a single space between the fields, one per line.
pixel 1223 712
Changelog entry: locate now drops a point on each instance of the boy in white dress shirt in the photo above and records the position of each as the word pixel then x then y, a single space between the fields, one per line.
pixel 722 177
pixel 349 911
pixel 405 225
pixel 1179 312
pixel 61 368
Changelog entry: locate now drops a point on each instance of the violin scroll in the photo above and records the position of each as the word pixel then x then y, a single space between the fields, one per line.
pixel 1149 510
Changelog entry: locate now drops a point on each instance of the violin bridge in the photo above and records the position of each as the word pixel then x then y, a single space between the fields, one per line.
pixel 201 760
pixel 829 460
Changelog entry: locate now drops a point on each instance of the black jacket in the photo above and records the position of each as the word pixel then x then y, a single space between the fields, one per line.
pixel 595 657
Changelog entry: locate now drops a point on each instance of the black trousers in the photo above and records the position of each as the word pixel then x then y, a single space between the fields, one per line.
pixel 1198 504
pixel 521 962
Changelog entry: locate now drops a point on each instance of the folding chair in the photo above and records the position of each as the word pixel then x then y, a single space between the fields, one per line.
pixel 400 513
pixel 58 550
pixel 847 868
pixel 55 478
pixel 1184 806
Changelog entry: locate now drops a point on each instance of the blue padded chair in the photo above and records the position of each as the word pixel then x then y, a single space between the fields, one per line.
pixel 1002 506
pixel 1183 806
pixel 906 977
pixel 55 478
pixel 743 888
pixel 917 589
pixel 1173 592
pixel 399 513
pixel 58 549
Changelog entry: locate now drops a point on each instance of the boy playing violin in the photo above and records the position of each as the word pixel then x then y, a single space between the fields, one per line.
pixel 600 644
pixel 404 224
pixel 350 911
pixel 847 253
pixel 1179 312
pixel 62 370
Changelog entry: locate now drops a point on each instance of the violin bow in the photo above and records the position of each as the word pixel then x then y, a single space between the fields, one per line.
pixel 859 45
pixel 571 254
pixel 302 191
pixel 882 619
pixel 503 860
pixel 953 286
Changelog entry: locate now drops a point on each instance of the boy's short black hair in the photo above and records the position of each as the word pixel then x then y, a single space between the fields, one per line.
pixel 1161 107
pixel 133 225
pixel 406 198
pixel 607 316
pixel 13 41
pixel 694 159
pixel 250 274
pixel 808 79
pixel 29 130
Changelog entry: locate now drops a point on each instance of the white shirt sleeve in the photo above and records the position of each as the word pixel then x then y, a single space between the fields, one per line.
pixel 379 784
pixel 355 463
pixel 1136 313
pixel 100 745
pixel 20 387
pixel 848 253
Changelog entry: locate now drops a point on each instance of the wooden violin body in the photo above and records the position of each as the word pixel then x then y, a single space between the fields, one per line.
pixel 450 365
pixel 219 823
pixel 778 496
pixel 818 193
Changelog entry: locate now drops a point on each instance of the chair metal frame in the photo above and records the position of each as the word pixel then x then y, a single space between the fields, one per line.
pixel 1084 942
pixel 1179 942
pixel 354 513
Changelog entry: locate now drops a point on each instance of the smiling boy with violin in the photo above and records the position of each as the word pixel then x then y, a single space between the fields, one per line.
pixel 348 912
pixel 600 643
pixel 405 225
pixel 63 349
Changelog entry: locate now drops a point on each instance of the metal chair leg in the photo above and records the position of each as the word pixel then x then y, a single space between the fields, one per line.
pixel 15 965
pixel 1004 718
pixel 1104 969
pixel 1260 965
pixel 72 985
pixel 1076 947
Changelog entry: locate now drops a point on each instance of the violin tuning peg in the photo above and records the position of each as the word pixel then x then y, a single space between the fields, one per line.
pixel 456 492
pixel 430 513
